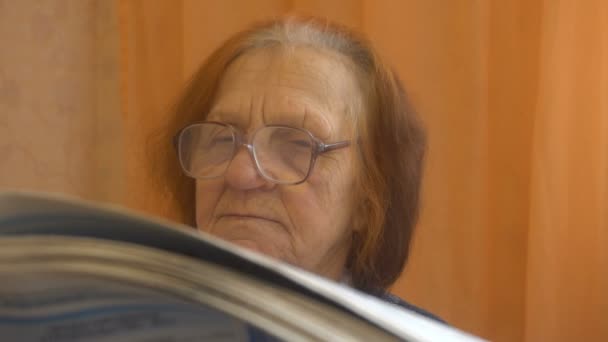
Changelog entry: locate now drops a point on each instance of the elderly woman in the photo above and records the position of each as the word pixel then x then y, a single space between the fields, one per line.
pixel 298 142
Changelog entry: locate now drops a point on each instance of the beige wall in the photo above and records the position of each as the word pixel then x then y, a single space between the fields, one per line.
pixel 60 119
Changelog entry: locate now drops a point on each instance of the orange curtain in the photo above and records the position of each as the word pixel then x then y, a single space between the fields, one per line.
pixel 510 243
pixel 567 263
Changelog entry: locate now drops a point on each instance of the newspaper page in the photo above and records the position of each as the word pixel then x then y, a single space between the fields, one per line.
pixel 120 224
pixel 75 308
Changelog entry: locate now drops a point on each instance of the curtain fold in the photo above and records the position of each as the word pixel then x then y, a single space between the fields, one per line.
pixel 568 230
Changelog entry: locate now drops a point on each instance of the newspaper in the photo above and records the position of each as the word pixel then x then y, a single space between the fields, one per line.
pixel 72 308
pixel 23 214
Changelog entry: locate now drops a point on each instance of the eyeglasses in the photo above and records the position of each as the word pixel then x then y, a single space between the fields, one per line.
pixel 282 155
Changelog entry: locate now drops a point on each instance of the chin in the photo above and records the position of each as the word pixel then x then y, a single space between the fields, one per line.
pixel 255 235
pixel 250 245
pixel 259 247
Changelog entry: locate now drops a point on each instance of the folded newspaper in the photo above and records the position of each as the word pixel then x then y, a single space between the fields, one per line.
pixel 77 271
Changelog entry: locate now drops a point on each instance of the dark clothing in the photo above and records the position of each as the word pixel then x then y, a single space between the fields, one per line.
pixel 391 298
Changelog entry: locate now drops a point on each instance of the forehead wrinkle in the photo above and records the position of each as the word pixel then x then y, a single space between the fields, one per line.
pixel 250 113
pixel 299 111
pixel 309 93
pixel 287 69
pixel 315 92
pixel 229 109
pixel 316 85
pixel 322 127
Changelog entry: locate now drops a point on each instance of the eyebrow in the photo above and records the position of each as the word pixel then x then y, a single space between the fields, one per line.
pixel 301 115
pixel 226 117
pixel 308 119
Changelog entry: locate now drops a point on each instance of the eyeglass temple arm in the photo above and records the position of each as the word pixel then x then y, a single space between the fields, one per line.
pixel 330 147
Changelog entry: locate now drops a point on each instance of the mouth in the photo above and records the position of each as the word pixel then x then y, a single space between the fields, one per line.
pixel 247 217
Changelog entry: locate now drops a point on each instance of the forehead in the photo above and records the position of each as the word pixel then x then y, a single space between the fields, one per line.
pixel 297 86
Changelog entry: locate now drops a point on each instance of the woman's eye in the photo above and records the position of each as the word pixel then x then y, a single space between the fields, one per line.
pixel 300 143
pixel 222 140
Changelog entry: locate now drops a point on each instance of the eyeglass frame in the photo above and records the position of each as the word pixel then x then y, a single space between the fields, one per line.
pixel 319 148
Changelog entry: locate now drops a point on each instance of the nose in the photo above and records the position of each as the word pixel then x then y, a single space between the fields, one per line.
pixel 242 172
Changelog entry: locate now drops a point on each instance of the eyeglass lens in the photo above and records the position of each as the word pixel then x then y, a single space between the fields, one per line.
pixel 282 154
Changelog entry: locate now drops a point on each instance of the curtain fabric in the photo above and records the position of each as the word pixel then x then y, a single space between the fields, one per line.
pixel 510 245
pixel 567 264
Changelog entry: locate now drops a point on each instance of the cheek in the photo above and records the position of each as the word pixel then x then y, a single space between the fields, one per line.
pixel 208 194
pixel 333 182
pixel 323 203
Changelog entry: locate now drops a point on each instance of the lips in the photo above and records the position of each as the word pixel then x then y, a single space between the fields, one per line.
pixel 247 216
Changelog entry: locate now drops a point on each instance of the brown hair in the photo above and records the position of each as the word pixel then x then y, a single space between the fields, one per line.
pixel 390 142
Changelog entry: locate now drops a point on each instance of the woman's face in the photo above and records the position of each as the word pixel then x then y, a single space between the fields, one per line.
pixel 308 224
